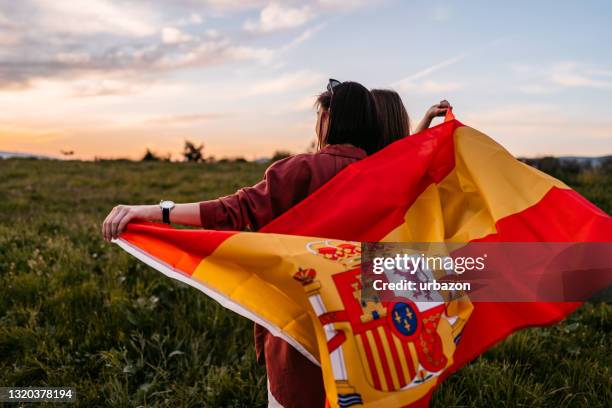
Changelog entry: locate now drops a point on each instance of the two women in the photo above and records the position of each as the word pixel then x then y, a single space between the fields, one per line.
pixel 352 123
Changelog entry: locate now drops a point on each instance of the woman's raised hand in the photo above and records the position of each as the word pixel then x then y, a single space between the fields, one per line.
pixel 438 109
pixel 121 215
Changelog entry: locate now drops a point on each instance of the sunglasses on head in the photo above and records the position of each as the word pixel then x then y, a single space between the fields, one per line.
pixel 332 84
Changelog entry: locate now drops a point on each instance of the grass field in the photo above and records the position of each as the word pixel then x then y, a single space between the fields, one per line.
pixel 76 311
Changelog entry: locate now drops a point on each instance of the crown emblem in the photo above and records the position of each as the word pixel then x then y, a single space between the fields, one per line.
pixel 305 275
pixel 346 253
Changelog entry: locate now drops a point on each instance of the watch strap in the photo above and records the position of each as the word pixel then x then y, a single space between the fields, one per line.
pixel 166 215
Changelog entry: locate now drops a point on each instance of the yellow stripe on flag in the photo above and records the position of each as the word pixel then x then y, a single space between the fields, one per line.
pixel 402 358
pixel 468 202
pixel 377 360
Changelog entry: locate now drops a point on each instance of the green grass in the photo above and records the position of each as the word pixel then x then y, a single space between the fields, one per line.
pixel 76 311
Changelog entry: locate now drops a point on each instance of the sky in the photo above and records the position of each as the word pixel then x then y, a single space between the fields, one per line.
pixel 107 78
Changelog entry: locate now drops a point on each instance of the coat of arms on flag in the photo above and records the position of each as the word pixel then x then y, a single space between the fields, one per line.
pixel 374 346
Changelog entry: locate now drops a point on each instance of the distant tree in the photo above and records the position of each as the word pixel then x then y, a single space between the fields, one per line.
pixel 280 155
pixel 549 164
pixel 240 160
pixel 606 166
pixel 312 146
pixel 564 168
pixel 193 153
pixel 574 167
pixel 150 156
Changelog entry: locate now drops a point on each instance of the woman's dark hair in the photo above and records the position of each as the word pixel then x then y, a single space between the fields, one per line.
pixel 392 115
pixel 323 100
pixel 352 117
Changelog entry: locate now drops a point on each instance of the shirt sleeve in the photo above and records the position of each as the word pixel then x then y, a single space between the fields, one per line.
pixel 285 183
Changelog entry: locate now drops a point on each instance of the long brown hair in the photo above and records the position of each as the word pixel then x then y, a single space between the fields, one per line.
pixel 322 102
pixel 392 116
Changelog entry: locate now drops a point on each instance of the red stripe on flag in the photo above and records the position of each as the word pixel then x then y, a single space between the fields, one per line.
pixel 561 216
pixel 396 359
pixel 370 358
pixel 336 341
pixel 406 167
pixel 181 249
pixel 383 359
pixel 333 317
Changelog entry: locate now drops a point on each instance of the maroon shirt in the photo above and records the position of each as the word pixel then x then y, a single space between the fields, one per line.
pixel 294 380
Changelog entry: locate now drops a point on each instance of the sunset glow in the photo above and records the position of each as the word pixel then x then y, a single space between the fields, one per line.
pixel 113 78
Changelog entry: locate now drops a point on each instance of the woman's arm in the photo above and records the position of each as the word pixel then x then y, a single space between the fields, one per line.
pixel 285 183
pixel 435 111
pixel 121 215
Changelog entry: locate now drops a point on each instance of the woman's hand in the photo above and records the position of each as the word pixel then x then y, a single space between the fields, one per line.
pixel 436 110
pixel 121 215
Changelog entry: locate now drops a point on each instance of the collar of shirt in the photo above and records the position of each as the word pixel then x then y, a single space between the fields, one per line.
pixel 344 150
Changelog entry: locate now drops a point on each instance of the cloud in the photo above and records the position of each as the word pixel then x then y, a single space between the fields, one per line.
pixel 287 83
pixel 123 40
pixel 275 17
pixel 132 45
pixel 303 37
pixel 416 82
pixel 104 87
pixel 517 114
pixel 185 119
pixel 538 118
pixel 195 18
pixel 172 35
pixel 542 129
pixel 173 50
pixel 300 105
pixel 599 72
pixel 537 89
pixel 96 16
pixel 546 79
pixel 573 74
pixel 234 5
pixel 345 5
pixel 431 69
pixel 429 86
pixel 238 53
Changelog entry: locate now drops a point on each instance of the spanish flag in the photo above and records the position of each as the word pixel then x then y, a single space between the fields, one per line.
pixel 300 276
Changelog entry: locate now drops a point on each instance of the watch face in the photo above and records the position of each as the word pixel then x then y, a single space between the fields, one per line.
pixel 167 204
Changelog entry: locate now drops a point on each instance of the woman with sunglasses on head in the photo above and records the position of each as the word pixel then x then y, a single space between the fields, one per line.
pixel 347 130
pixel 393 117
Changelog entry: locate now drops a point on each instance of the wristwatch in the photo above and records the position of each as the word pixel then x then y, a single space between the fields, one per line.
pixel 166 206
